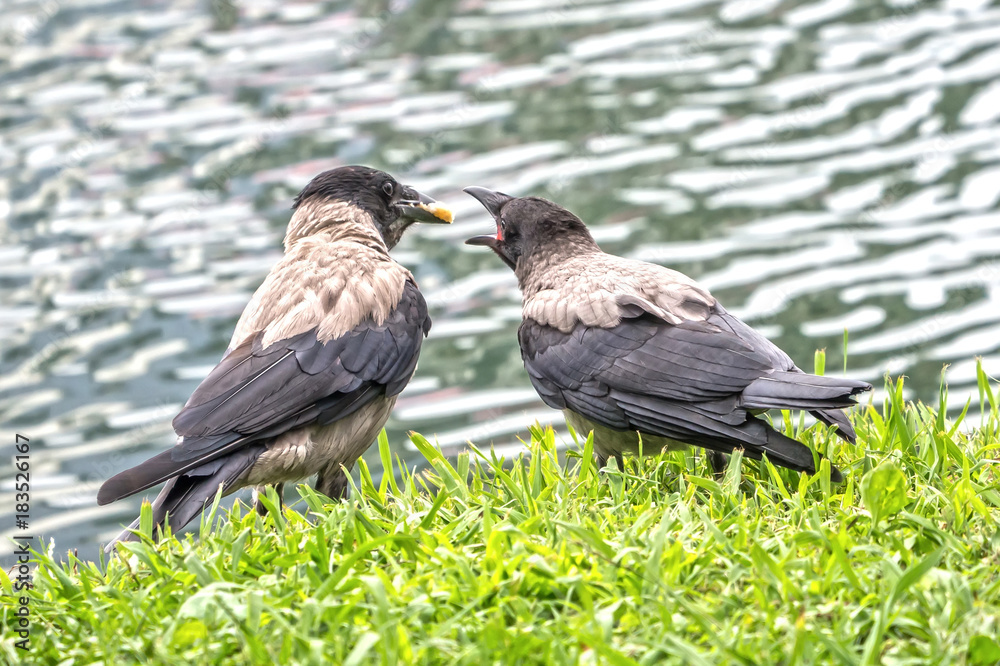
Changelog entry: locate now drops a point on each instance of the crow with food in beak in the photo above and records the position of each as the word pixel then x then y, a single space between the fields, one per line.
pixel 317 360
pixel 628 349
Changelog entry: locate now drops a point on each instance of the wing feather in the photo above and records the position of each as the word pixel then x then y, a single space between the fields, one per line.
pixel 258 393
pixel 693 381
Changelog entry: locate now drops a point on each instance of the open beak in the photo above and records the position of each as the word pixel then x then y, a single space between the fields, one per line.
pixel 488 241
pixel 492 202
pixel 421 208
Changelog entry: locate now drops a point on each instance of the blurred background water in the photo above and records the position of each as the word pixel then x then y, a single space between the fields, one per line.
pixel 819 165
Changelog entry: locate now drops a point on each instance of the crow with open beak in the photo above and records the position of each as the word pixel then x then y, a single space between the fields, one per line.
pixel 317 360
pixel 627 348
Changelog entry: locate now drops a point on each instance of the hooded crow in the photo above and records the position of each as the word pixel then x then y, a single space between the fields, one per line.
pixel 628 349
pixel 317 360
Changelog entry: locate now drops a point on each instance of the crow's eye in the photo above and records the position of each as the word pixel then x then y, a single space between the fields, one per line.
pixel 387 188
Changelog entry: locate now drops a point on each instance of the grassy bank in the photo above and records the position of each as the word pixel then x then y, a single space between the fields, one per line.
pixel 535 561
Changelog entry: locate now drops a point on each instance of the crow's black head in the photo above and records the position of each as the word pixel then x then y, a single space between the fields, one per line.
pixel 529 225
pixel 392 206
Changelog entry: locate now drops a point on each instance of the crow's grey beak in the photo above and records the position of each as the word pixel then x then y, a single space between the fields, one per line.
pixel 421 208
pixel 488 241
pixel 492 201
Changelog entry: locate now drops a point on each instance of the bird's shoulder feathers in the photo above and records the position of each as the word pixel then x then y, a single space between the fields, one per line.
pixel 600 290
pixel 323 284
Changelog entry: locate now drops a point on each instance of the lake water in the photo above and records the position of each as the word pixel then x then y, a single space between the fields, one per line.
pixel 818 165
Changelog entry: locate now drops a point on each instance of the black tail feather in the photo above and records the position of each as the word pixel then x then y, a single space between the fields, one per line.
pixel 797 390
pixel 835 417
pixel 784 451
pixel 183 497
pixel 155 471
pixel 697 426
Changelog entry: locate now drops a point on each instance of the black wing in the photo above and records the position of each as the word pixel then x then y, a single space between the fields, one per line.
pixel 694 362
pixel 782 362
pixel 694 382
pixel 256 393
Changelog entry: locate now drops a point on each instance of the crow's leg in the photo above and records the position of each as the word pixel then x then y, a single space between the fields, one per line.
pixel 333 482
pixel 719 462
pixel 602 461
pixel 279 488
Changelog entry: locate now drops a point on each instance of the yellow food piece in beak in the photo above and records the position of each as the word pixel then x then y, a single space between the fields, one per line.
pixel 440 211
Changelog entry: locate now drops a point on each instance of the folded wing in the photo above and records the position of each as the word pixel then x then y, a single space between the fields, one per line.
pixel 697 381
pixel 255 394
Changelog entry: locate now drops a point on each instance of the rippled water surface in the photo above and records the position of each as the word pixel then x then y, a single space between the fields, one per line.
pixel 818 165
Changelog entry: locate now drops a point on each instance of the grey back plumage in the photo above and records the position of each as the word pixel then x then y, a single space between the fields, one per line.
pixel 599 289
pixel 328 281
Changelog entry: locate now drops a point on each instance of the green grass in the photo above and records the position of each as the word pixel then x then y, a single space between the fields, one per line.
pixel 537 560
